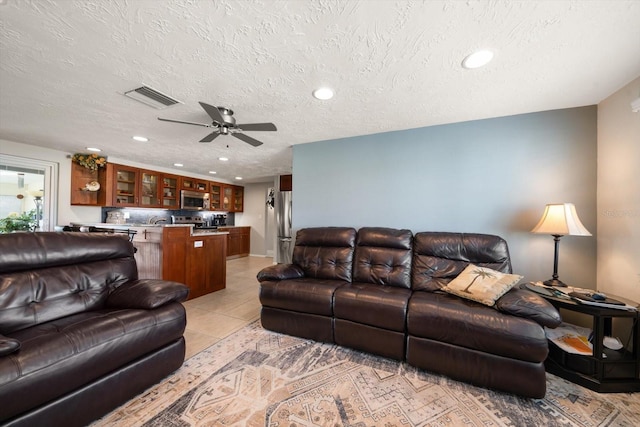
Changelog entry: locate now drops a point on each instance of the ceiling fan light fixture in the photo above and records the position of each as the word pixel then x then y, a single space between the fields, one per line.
pixel 323 93
pixel 477 59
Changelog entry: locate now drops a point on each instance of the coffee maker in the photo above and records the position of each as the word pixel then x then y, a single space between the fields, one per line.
pixel 219 219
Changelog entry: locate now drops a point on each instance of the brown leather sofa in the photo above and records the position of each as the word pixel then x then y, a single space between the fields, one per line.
pixel 379 290
pixel 79 333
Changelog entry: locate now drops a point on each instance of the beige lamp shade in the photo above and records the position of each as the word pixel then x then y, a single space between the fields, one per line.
pixel 561 220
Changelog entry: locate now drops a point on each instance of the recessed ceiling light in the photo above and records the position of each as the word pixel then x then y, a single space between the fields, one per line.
pixel 213 172
pixel 141 138
pixel 223 159
pixel 178 165
pixel 239 178
pixel 477 59
pixel 323 93
pixel 93 149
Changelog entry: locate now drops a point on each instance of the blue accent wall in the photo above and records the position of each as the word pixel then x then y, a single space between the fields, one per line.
pixel 487 176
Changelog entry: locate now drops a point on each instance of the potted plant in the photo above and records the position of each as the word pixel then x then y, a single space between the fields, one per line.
pixel 18 222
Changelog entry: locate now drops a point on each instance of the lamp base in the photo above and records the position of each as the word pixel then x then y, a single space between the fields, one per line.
pixel 555 282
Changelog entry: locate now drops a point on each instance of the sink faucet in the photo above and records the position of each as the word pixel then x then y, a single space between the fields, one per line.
pixel 156 219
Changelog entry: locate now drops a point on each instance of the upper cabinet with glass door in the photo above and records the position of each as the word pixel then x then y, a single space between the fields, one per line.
pixel 125 185
pixel 238 199
pixel 215 189
pixel 170 191
pixel 150 189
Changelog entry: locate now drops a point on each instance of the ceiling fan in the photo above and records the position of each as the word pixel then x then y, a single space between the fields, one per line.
pixel 225 124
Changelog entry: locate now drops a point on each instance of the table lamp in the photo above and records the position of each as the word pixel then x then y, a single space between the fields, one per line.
pixel 559 220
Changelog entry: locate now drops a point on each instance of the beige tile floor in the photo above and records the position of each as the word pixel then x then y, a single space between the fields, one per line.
pixel 214 316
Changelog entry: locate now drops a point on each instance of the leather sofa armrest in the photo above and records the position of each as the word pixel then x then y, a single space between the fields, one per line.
pixel 280 272
pixel 523 303
pixel 147 294
pixel 8 345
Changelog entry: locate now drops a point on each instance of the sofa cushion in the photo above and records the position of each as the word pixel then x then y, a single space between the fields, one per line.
pixel 325 252
pixel 523 303
pixel 383 257
pixel 374 305
pixel 483 285
pixel 45 276
pixel 446 318
pixel 147 293
pixel 65 354
pixel 313 296
pixel 439 257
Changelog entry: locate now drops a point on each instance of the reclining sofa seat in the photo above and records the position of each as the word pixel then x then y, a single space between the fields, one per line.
pixel 82 334
pixel 297 298
pixel 462 339
pixel 370 313
pixel 379 310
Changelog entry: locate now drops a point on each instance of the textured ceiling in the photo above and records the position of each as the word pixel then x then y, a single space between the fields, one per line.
pixel 64 66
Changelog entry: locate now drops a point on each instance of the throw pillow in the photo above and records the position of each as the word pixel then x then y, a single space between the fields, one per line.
pixel 481 284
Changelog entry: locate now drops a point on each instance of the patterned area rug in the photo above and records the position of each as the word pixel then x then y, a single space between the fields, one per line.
pixel 259 378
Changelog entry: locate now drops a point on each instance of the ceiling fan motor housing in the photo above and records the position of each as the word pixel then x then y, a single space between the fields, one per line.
pixel 227 115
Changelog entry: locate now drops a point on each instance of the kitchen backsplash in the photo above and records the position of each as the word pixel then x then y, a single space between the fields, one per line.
pixel 146 216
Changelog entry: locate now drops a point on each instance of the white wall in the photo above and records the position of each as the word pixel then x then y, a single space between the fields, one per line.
pixel 488 176
pixel 256 216
pixel 619 194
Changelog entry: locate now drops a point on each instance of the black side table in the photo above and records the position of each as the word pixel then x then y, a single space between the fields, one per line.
pixel 618 371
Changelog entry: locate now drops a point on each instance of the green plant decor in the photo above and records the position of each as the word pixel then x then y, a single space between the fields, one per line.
pixel 18 222
pixel 89 161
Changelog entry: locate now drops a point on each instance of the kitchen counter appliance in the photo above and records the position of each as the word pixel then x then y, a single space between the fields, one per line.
pixel 199 223
pixel 194 200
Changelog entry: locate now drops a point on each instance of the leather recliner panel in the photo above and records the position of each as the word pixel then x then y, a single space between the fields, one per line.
pixel 380 306
pixel 303 295
pixel 325 252
pixel 477 367
pixel 50 249
pixel 439 257
pixel 65 354
pixel 370 339
pixel 449 319
pixel 311 326
pixel 383 257
pixel 31 297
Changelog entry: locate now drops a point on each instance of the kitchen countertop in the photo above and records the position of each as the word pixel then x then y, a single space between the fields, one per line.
pixel 149 227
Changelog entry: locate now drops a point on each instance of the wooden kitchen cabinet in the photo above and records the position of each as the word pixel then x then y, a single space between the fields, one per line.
pixel 206 264
pixel 150 189
pixel 122 185
pixel 215 190
pixel 238 199
pixel 170 191
pixel 238 241
pixel 199 261
pixel 194 184
pixel 80 194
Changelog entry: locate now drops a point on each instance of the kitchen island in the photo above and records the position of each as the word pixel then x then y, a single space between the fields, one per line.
pixel 178 252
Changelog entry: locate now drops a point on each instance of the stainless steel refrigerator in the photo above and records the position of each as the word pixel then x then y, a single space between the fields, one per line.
pixel 285 240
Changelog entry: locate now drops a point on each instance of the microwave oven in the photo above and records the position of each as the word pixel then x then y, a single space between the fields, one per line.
pixel 194 200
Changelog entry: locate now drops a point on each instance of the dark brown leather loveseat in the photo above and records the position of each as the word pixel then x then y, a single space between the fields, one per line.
pixel 79 333
pixel 379 290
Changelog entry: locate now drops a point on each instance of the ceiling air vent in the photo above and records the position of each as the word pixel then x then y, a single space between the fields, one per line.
pixel 152 97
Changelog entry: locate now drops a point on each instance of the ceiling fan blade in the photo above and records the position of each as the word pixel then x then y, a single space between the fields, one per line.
pixel 186 123
pixel 247 139
pixel 210 137
pixel 213 112
pixel 258 126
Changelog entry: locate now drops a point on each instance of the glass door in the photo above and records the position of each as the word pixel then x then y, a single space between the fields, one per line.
pixel 28 195
pixel 126 179
pixel 170 191
pixel 149 189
